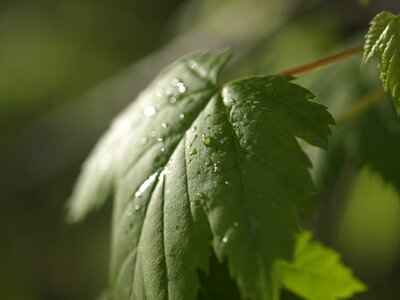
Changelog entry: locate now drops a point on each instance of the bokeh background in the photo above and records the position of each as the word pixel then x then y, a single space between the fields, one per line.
pixel 67 67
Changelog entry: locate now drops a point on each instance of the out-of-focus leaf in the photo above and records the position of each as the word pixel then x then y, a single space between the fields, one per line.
pixel 316 272
pixel 369 233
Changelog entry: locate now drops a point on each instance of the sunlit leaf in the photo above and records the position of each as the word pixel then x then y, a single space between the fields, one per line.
pixel 383 41
pixel 189 163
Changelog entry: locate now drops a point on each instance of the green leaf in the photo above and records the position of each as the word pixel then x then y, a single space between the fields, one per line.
pixel 316 272
pixel 369 231
pixel 191 163
pixel 383 41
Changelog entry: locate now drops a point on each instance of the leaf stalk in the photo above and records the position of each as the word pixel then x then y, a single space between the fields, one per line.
pixel 323 62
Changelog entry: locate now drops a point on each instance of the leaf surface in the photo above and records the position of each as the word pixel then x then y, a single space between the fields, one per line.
pixel 383 41
pixel 316 272
pixel 191 163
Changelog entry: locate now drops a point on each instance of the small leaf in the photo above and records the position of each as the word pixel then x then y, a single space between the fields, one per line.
pixel 227 169
pixel 383 41
pixel 316 272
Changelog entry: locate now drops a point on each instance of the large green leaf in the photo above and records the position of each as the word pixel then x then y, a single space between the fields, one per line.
pixel 317 274
pixel 383 41
pixel 189 163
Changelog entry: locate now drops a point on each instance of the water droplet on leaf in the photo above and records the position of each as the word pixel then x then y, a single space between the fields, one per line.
pixel 160 92
pixel 150 111
pixel 200 195
pixel 143 141
pixel 193 152
pixel 207 141
pixel 181 87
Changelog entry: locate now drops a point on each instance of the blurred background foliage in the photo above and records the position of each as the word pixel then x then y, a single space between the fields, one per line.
pixel 68 66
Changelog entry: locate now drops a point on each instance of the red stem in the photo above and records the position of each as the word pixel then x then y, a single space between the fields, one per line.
pixel 323 62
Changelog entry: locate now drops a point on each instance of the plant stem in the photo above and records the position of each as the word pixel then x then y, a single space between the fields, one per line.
pixel 361 105
pixel 323 62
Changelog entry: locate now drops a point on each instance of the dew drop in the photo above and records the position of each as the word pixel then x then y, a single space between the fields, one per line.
pixel 227 182
pixel 225 239
pixel 181 87
pixel 162 149
pixel 200 195
pixel 164 125
pixel 215 168
pixel 195 202
pixel 193 152
pixel 137 207
pixel 150 111
pixel 160 92
pixel 193 64
pixel 172 100
pixel 145 185
pixel 207 140
pixel 236 224
pixel 209 162
pixel 153 133
pixel 160 139
pixel 181 116
pixel 191 143
pixel 143 141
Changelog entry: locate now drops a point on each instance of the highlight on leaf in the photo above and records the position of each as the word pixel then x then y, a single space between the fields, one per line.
pixel 383 41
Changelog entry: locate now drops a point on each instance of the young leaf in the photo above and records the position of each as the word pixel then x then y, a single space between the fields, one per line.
pixel 316 272
pixel 188 163
pixel 383 41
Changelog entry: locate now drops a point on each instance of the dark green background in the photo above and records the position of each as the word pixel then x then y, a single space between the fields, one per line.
pixel 68 66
